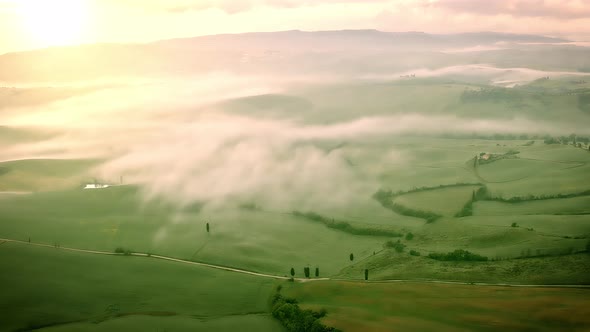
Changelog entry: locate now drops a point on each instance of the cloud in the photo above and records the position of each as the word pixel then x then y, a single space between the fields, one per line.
pixel 562 9
pixel 223 158
pixel 476 72
pixel 233 6
pixel 568 9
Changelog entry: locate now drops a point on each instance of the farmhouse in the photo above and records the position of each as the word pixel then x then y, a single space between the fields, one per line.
pixel 484 156
pixel 96 186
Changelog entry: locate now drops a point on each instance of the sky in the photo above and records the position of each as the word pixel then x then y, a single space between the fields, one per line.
pixel 29 24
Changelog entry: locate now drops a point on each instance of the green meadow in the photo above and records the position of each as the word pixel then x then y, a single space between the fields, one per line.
pixel 273 241
pixel 443 307
pixel 447 202
pixel 57 290
pixel 116 217
pixel 44 174
pixel 559 206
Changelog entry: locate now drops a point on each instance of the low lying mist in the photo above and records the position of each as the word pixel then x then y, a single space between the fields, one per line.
pixel 175 139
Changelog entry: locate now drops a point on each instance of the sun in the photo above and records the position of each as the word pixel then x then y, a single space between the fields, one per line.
pixel 55 22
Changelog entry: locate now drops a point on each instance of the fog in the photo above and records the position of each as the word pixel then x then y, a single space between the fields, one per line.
pixel 507 77
pixel 175 138
pixel 159 114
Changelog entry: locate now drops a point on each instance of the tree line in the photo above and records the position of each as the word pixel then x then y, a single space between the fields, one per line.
pixel 293 318
pixel 574 139
pixel 345 226
pixel 306 272
pixel 518 199
pixel 476 195
pixel 385 198
pixel 389 193
pixel 458 255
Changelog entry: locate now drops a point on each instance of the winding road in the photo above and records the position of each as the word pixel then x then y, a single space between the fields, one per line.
pixel 136 254
pixel 264 275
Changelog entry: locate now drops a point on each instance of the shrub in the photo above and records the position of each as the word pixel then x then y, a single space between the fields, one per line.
pixel 514 225
pixel 414 253
pixel 121 250
pixel 385 197
pixel 467 210
pixel 518 199
pixel 250 207
pixel 406 211
pixel 409 236
pixel 458 255
pixel 345 226
pixel 398 246
pixel 293 318
pixel 481 194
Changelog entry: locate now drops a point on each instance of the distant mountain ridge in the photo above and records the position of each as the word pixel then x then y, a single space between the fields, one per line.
pixel 294 51
pixel 370 38
pixel 467 39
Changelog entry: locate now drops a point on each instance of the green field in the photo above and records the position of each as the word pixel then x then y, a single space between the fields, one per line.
pixel 274 241
pixel 440 307
pixel 551 270
pixel 555 226
pixel 250 322
pixel 567 206
pixel 446 201
pixel 67 291
pixel 295 178
pixel 117 217
pixel 45 174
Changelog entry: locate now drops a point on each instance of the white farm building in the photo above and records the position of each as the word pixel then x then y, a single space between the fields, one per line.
pixel 96 186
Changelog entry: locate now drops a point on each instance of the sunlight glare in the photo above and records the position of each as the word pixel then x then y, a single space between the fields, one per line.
pixel 55 22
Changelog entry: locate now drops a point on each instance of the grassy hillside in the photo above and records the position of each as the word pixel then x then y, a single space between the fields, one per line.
pixel 69 291
pixel 445 201
pixel 575 205
pixel 45 174
pixel 464 96
pixel 251 322
pixel 275 241
pixel 108 218
pixel 15 135
pixel 421 159
pixel 428 307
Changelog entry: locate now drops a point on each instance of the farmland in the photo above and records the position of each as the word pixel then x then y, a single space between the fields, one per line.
pixel 119 217
pixel 427 307
pixel 119 291
pixel 445 194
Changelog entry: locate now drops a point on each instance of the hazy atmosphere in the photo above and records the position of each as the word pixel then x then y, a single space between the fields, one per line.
pixel 289 163
pixel 29 24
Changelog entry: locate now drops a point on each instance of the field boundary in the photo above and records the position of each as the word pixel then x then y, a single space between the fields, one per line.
pixel 265 275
